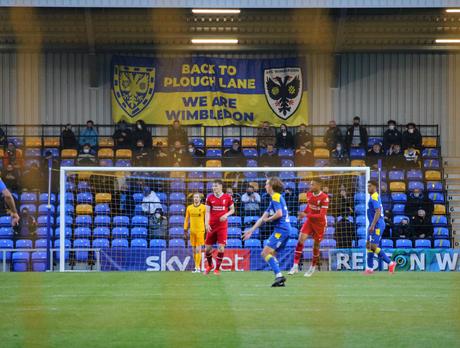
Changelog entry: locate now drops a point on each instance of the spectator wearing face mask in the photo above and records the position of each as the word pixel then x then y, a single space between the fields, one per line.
pixel 402 230
pixel 418 201
pixel 391 136
pixel 342 204
pixel 251 201
pixel 122 136
pixel 374 155
pixel 388 219
pixel 89 136
pixel 266 135
pixel 284 139
pixel 303 157
pixel 411 137
pixel 14 157
pixel 197 155
pixel 395 158
pixel 142 156
pixel 27 227
pixel 177 133
pixel 356 136
pixel 142 133
pixel 87 156
pixel 333 136
pixel 421 226
pixel 303 137
pixel 68 139
pixel 339 156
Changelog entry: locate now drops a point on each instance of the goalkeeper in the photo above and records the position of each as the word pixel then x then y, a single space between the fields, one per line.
pixel 194 215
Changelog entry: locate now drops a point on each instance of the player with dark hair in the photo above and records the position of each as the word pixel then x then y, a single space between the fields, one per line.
pixel 314 226
pixel 219 206
pixel 9 200
pixel 376 228
pixel 277 212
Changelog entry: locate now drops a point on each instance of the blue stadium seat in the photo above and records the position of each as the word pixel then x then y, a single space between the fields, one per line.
pixel 85 198
pixel 68 162
pixel 177 185
pixel 177 243
pixel 403 244
pixel 327 244
pixel 6 232
pixel 17 141
pixel 386 244
pixel 101 243
pixel 139 232
pixel 228 142
pixel 195 186
pixel 330 220
pixel 32 208
pixel 41 243
pixel 21 261
pixel 123 163
pixel 24 244
pixel 120 232
pixel 294 233
pixel 234 221
pixel 158 243
pixel 176 232
pixel 43 231
pixel 303 186
pixel 54 151
pixel 177 198
pixel 84 186
pixel 213 153
pixel 439 220
pixel 436 197
pixel 287 176
pixel 28 197
pixel 102 209
pixel 81 256
pixel 196 175
pixel 102 221
pixel 139 243
pixel 361 232
pixel 398 209
pixel 43 209
pixel 396 175
pixel 430 153
pixel 120 243
pixel 321 162
pixel 138 209
pixel 375 175
pixel 6 244
pixel 250 153
pixel 361 243
pixel 431 164
pixel 293 220
pixel 251 175
pixel 441 233
pixel 177 209
pixel 360 197
pixel 139 221
pixel 82 232
pixel 106 162
pixel 67 246
pixel 234 243
pixel 398 197
pixel 415 185
pixel 361 220
pixel 291 243
pixel 213 175
pixel 357 153
pixel 101 232
pixel 286 153
pixel 198 142
pixel 43 198
pixel 39 261
pixel 374 140
pixel 121 221
pixel 308 249
pixel 423 244
pixel 138 197
pixel 249 220
pixel 252 163
pixel 234 232
pixel 83 221
pixel 441 243
pixel 360 209
pixel 287 163
pixel 434 186
pixel 67 232
pixel 252 243
pixel 397 219
pixel 176 221
pixel 414 174
pixel 329 233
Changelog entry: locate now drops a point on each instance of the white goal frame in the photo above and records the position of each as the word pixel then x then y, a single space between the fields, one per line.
pixel 64 170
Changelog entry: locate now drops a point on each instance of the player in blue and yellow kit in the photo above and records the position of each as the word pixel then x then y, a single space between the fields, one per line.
pixel 376 228
pixel 277 213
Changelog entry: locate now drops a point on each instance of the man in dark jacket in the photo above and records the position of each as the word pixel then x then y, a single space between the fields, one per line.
pixel 303 157
pixel 68 139
pixel 421 226
pixel 356 135
pixel 391 136
pixel 142 133
pixel 284 138
pixel 176 132
pixel 270 158
pixel 303 137
pixel 122 136
pixel 233 157
pixel 412 137
pixel 416 201
pixel 333 136
pixel 374 155
pixel 395 158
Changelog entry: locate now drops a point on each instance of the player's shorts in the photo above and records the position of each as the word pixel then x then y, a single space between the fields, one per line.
pixel 196 239
pixel 218 236
pixel 375 237
pixel 316 231
pixel 277 241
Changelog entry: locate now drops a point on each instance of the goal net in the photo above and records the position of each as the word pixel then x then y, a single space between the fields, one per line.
pixel 132 219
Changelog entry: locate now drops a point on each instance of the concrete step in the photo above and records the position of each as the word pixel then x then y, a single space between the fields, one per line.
pixel 454 187
pixel 451 161
pixel 452 176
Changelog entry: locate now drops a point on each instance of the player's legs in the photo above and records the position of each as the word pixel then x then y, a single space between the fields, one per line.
pixel 372 246
pixel 211 238
pixel 221 241
pixel 303 236
pixel 193 243
pixel 268 255
pixel 316 253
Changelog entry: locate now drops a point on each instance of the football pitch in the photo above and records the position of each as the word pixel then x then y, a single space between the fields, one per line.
pixel 178 309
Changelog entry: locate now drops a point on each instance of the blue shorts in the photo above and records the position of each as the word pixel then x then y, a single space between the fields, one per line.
pixel 375 237
pixel 277 241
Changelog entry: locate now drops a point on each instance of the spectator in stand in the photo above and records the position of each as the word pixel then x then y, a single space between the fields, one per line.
pixel 418 201
pixel 388 219
pixel 234 157
pixel 68 139
pixel 150 203
pixel 374 155
pixel 27 227
pixel 291 198
pixel 411 137
pixel 235 197
pixel 179 157
pixel 395 158
pixel 89 136
pixel 339 156
pixel 142 133
pixel 421 226
pixel 345 232
pixel 412 158
pixel 251 201
pixel 270 158
pixel 333 136
pixel 122 136
pixel 197 155
pixel 342 203
pixel 303 137
pixel 13 156
pixel 266 135
pixel 356 136
pixel 402 230
pixel 87 156
pixel 32 177
pixel 160 156
pixel 10 177
pixel 391 136
pixel 3 140
pixel 303 157
pixel 142 156
pixel 284 139
pixel 177 133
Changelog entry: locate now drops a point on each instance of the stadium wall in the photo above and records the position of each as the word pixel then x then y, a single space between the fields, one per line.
pixel 415 87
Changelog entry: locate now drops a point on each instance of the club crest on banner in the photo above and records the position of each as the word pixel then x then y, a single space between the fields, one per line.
pixel 133 87
pixel 283 90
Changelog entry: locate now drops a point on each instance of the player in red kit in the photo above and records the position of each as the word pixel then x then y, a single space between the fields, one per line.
pixel 314 226
pixel 219 206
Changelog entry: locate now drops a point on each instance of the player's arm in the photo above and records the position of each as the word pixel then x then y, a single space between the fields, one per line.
pixel 303 213
pixel 278 215
pixel 376 218
pixel 322 212
pixel 207 219
pixel 258 223
pixel 186 222
pixel 9 200
pixel 231 211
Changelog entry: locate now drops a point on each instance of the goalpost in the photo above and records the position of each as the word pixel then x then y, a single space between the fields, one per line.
pixel 110 220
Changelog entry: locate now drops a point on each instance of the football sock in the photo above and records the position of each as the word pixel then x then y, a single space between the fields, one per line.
pixel 220 256
pixel 370 259
pixel 383 256
pixel 298 253
pixel 198 260
pixel 315 255
pixel 209 258
pixel 273 263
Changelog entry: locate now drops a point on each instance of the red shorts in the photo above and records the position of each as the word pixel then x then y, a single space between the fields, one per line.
pixel 314 230
pixel 217 235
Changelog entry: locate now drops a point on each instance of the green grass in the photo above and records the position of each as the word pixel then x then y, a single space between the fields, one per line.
pixel 235 310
